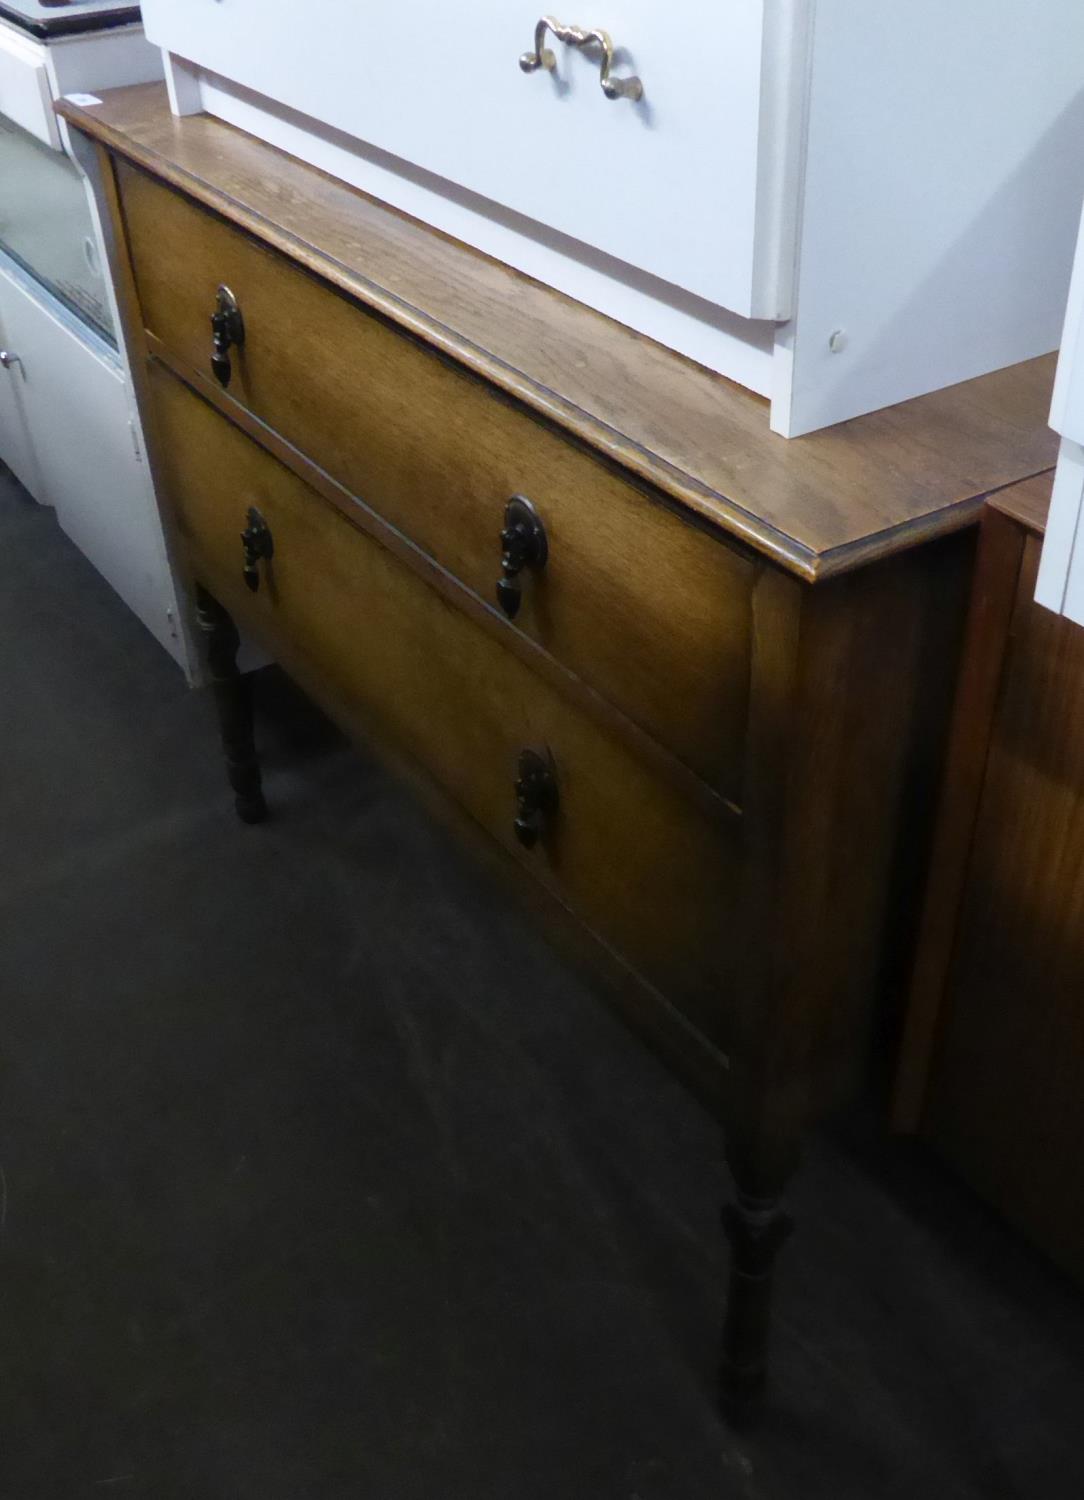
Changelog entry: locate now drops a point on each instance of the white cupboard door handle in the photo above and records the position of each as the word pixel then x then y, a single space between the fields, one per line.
pixel 577 36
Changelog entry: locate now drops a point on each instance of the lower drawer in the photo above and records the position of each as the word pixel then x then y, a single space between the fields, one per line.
pixel 644 870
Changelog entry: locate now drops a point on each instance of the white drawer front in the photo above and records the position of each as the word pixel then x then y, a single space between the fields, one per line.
pixel 25 94
pixel 674 184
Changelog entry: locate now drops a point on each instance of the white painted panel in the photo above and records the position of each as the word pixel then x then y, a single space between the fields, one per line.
pixel 1067 406
pixel 182 643
pixel 1073 608
pixel 16 448
pixel 33 75
pixel 945 171
pixel 25 94
pixel 102 60
pixel 671 185
pixel 1060 585
pixel 82 430
pixel 1062 528
pixel 740 348
pixel 182 85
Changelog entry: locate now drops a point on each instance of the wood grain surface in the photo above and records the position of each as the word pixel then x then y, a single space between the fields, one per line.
pixel 817 505
pixel 1004 1100
pixel 757 942
pixel 631 857
pixel 1027 503
pixel 978 694
pixel 649 609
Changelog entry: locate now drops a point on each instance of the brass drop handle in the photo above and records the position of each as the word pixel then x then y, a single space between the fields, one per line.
pixel 536 796
pixel 228 332
pixel 523 545
pixel 578 36
pixel 258 545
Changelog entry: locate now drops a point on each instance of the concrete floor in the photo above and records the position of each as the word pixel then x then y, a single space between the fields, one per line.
pixel 320 1176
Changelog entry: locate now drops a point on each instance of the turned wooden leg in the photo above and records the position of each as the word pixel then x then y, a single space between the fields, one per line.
pixel 233 704
pixel 756 1227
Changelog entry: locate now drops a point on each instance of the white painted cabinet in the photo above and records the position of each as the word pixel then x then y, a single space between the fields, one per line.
pixel 1060 584
pixel 76 441
pixel 33 72
pixel 68 424
pixel 16 445
pixel 838 203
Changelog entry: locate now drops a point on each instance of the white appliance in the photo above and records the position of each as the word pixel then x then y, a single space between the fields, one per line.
pixel 837 203
pixel 69 427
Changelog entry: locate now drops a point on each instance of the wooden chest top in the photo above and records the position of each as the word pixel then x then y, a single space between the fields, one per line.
pixel 818 506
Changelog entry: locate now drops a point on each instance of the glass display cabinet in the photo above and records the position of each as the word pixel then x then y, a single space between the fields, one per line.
pixel 69 426
pixel 47 230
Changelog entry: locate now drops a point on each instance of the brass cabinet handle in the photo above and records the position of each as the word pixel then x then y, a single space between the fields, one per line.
pixel 577 36
pixel 523 545
pixel 536 796
pixel 228 331
pixel 257 545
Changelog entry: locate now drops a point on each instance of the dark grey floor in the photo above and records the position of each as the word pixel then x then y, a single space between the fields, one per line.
pixel 321 1177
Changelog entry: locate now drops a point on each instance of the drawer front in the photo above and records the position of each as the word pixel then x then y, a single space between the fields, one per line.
pixel 444 90
pixel 635 862
pixel 651 612
pixel 25 95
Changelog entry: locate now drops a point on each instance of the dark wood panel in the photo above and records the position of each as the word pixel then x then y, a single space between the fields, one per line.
pixel 628 854
pixel 1006 1094
pixel 1027 503
pixel 993 601
pixel 649 609
pixel 713 804
pixel 852 691
pixel 818 505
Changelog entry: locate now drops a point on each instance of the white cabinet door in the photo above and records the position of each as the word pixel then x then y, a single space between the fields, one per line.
pixel 80 424
pixel 683 183
pixel 16 448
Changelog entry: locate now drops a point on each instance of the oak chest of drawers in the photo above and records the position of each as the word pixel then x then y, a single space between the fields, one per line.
pixel 684 682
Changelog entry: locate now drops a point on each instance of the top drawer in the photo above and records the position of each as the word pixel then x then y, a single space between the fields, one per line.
pixel 650 611
pixel 682 183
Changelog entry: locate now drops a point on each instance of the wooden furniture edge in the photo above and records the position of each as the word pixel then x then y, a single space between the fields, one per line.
pixel 942 522
pixel 993 604
pixel 1028 502
pixel 723 513
pixel 693 495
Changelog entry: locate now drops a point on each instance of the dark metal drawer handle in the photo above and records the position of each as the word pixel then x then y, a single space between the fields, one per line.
pixel 228 331
pixel 523 545
pixel 536 796
pixel 258 545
